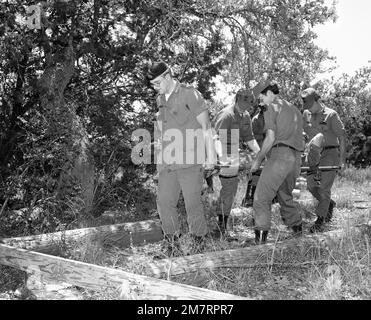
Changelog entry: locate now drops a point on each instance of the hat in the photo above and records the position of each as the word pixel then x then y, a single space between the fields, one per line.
pixel 261 86
pixel 244 92
pixel 310 93
pixel 157 69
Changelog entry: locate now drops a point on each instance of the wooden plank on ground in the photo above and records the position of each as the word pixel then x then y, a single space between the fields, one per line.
pixel 52 291
pixel 120 235
pixel 93 277
pixel 244 257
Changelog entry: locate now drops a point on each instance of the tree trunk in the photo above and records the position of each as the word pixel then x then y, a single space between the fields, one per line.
pixel 64 123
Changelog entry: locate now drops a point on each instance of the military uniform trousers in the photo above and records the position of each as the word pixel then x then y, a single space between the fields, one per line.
pixel 227 194
pixel 228 177
pixel 256 175
pixel 170 183
pixel 255 179
pixel 319 185
pixel 279 175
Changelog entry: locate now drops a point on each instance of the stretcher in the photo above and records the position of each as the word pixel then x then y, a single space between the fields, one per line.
pixel 217 168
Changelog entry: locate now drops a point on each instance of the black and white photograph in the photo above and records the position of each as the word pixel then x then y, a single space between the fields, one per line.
pixel 185 156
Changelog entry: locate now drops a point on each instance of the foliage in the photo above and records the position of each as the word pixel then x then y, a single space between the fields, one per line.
pixel 355 175
pixel 275 37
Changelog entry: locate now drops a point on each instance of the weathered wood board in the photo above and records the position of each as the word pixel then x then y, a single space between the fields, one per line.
pixel 121 235
pixel 52 291
pixel 55 269
pixel 244 257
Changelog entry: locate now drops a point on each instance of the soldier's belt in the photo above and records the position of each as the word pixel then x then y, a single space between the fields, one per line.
pixel 227 177
pixel 331 147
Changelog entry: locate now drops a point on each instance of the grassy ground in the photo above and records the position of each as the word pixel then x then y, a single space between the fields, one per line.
pixel 341 271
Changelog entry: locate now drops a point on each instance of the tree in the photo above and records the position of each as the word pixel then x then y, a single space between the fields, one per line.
pixel 275 37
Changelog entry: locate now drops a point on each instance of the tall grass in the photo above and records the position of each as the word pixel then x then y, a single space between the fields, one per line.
pixel 352 174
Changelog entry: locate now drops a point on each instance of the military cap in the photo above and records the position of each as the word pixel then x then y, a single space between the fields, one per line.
pixel 156 69
pixel 261 86
pixel 245 92
pixel 310 93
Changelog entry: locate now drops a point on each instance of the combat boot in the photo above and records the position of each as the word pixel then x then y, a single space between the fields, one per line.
pixel 260 237
pixel 318 225
pixel 330 211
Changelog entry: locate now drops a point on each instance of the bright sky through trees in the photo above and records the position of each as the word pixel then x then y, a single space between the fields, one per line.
pixel 348 39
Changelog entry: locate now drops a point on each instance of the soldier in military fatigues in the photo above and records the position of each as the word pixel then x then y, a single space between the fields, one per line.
pixel 182 113
pixel 283 146
pixel 326 133
pixel 230 120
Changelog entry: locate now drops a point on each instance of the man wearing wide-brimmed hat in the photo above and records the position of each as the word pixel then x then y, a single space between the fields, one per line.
pixel 326 147
pixel 233 126
pixel 182 113
pixel 282 147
